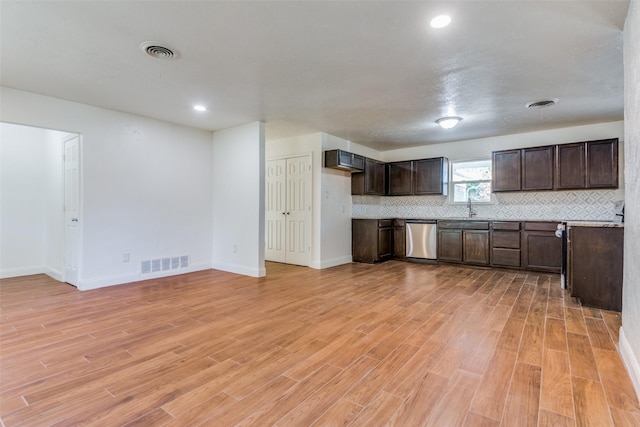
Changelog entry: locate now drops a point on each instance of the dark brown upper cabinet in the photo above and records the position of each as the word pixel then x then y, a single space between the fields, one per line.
pixel 537 168
pixel 431 176
pixel 371 181
pixel 400 178
pixel 343 160
pixel 575 166
pixel 602 163
pixel 506 171
pixel 570 166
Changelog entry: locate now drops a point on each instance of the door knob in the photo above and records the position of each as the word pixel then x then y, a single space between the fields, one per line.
pixel 74 219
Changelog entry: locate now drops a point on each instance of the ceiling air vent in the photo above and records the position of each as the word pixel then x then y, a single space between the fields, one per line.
pixel 543 103
pixel 157 50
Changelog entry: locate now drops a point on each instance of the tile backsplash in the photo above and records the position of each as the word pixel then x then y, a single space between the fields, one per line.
pixel 596 205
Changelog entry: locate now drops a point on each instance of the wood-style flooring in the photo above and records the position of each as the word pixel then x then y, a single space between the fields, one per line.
pixel 395 344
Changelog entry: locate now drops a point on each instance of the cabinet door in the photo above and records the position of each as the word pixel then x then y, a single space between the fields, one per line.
pixel 364 240
pixel 506 171
pixel 476 247
pixel 399 241
pixel 430 176
pixel 450 245
pixel 570 166
pixel 357 184
pixel 399 178
pixel 542 251
pixel 373 177
pixel 537 168
pixel 602 164
pixel 595 264
pixel 385 242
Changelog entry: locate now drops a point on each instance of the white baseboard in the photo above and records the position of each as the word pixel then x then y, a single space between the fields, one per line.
pixel 53 273
pixel 630 361
pixel 119 279
pixel 328 263
pixel 21 271
pixel 239 269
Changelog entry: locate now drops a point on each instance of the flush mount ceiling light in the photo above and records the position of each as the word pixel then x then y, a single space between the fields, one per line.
pixel 440 21
pixel 158 50
pixel 200 108
pixel 448 122
pixel 542 103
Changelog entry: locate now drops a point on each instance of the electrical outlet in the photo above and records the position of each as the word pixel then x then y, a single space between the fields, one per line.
pixel 235 249
pixel 126 257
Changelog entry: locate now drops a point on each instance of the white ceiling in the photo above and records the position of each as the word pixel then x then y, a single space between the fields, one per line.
pixel 372 72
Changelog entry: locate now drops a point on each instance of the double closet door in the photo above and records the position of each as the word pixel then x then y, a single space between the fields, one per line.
pixel 288 210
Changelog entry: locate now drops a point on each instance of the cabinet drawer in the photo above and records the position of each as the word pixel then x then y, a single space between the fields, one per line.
pixel 540 226
pixel 505 239
pixel 505 257
pixel 398 222
pixel 466 225
pixel 505 225
pixel 385 223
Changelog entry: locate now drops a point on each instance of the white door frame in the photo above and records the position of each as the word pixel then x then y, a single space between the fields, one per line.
pixel 73 238
pixel 309 184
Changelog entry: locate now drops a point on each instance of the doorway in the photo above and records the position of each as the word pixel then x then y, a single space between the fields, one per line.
pixel 288 210
pixel 33 178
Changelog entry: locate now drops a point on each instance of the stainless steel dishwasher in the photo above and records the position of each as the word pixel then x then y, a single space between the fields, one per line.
pixel 422 239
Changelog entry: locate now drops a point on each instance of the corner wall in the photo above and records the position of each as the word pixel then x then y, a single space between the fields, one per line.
pixel 238 199
pixel 630 331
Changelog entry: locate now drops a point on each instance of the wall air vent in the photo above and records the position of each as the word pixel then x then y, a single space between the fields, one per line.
pixel 158 265
pixel 157 50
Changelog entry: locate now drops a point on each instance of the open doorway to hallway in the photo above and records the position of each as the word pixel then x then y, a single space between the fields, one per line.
pixel 36 186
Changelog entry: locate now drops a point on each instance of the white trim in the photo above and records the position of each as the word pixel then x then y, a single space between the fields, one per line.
pixel 119 279
pixel 53 273
pixel 239 269
pixel 333 262
pixel 22 271
pixel 630 361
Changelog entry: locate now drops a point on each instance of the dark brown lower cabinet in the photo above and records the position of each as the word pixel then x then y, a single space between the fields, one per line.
pixel 595 262
pixel 371 240
pixel 463 241
pixel 399 239
pixel 505 244
pixel 541 249
pixel 450 245
pixel 476 247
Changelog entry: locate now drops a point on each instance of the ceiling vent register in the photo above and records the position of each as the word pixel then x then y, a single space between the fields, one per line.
pixel 157 50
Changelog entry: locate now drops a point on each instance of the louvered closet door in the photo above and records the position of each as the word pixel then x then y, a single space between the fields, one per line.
pixel 288 210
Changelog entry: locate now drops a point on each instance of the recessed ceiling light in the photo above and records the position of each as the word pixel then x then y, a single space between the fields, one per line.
pixel 441 21
pixel 448 122
pixel 200 108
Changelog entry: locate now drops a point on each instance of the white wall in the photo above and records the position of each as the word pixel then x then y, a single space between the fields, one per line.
pixel 54 204
pixel 146 186
pixel 630 331
pixel 238 199
pixel 22 190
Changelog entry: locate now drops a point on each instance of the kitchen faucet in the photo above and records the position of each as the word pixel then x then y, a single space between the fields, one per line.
pixel 471 212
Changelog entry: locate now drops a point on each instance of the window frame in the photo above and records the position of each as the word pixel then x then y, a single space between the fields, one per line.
pixel 452 183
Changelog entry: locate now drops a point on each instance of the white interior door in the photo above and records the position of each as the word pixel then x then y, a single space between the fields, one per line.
pixel 298 212
pixel 275 210
pixel 71 208
pixel 288 210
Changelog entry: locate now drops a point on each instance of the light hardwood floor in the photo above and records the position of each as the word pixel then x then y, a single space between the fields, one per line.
pixel 361 345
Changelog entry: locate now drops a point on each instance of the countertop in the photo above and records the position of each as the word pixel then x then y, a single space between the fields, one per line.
pixel 570 223
pixel 606 224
